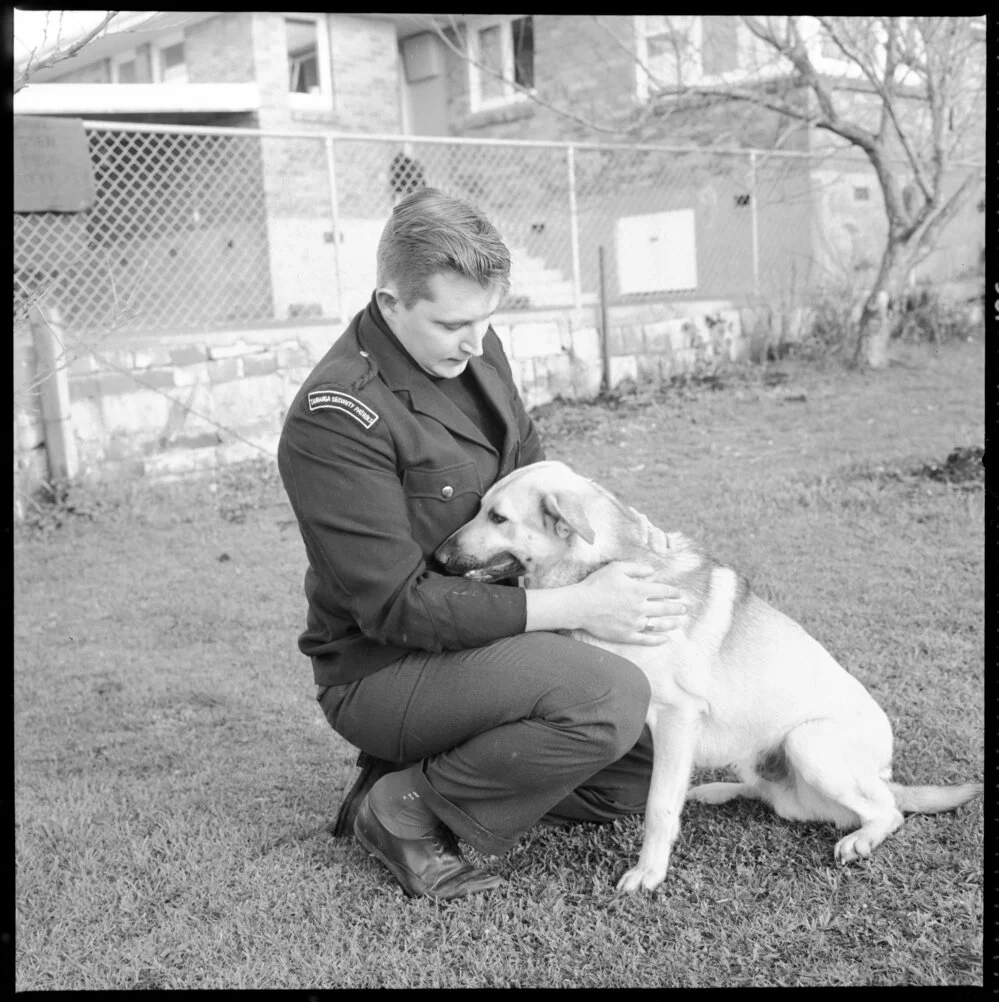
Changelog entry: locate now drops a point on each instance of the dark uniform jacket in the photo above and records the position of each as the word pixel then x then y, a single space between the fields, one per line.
pixel 380 468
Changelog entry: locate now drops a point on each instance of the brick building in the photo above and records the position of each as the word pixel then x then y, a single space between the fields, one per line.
pixel 543 77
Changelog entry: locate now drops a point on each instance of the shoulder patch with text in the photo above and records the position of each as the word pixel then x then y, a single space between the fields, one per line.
pixel 335 400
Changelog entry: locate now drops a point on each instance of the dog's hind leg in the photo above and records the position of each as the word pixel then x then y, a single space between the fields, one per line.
pixel 722 793
pixel 835 777
pixel 764 777
pixel 674 738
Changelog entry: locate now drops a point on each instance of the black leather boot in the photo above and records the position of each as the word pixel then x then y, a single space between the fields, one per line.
pixel 372 770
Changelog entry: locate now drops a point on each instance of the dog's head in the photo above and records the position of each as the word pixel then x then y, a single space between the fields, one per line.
pixel 530 523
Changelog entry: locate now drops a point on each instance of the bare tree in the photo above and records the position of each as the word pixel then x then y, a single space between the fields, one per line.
pixel 924 75
pixel 23 75
pixel 922 85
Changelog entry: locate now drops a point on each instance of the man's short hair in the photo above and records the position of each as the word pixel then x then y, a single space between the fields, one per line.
pixel 431 232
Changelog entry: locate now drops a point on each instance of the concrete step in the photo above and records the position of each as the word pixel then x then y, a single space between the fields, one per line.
pixel 539 276
pixel 521 261
pixel 532 279
pixel 556 294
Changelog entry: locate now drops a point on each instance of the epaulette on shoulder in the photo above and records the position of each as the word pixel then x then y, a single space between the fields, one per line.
pixel 349 365
pixel 346 372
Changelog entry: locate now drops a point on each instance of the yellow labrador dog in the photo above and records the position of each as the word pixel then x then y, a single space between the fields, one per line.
pixel 742 684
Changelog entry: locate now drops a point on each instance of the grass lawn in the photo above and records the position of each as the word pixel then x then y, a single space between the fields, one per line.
pixel 174 777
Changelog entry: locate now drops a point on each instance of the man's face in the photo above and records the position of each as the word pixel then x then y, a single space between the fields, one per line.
pixel 443 332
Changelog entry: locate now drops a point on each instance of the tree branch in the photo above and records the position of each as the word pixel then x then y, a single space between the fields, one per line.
pixel 934 217
pixel 891 57
pixel 885 92
pixel 753 97
pixel 57 56
pixel 852 53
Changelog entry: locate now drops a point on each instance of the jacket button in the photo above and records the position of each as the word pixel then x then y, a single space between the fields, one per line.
pixel 447 492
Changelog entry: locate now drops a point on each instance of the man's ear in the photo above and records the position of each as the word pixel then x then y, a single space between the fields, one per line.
pixel 387 300
pixel 568 515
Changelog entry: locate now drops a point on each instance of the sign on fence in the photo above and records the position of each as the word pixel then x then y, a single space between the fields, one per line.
pixel 52 169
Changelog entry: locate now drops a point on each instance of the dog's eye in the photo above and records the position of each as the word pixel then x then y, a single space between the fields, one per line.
pixel 496 518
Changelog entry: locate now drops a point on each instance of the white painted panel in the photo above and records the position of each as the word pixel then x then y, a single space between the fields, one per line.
pixel 657 252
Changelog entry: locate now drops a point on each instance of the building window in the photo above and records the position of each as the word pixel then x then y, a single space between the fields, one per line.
pixel 666 46
pixel 720 44
pixel 125 71
pixel 501 68
pixel 303 56
pixel 522 30
pixel 161 61
pixel 169 63
pixel 678 50
pixel 172 67
pixel 308 61
pixel 829 49
pixel 131 66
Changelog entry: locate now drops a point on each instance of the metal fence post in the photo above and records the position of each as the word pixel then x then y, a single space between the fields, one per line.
pixel 754 223
pixel 53 391
pixel 335 208
pixel 577 290
pixel 604 333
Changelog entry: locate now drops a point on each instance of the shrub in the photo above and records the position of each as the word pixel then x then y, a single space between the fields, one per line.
pixel 924 315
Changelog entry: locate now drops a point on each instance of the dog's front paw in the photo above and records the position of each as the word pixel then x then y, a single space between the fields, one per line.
pixel 641 878
pixel 857 845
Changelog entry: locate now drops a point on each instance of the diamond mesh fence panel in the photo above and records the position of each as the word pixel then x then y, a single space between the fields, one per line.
pixel 177 237
pixel 194 229
pixel 524 190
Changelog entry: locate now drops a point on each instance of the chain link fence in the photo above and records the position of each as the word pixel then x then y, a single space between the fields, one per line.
pixel 201 229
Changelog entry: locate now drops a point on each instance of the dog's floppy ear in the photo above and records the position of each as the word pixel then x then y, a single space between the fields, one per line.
pixel 568 515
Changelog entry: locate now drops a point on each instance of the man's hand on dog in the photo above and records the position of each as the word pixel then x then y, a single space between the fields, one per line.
pixel 620 603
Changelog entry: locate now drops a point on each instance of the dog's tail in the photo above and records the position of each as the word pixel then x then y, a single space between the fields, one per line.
pixel 933 799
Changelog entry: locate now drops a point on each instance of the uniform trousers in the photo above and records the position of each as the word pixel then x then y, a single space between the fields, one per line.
pixel 531 727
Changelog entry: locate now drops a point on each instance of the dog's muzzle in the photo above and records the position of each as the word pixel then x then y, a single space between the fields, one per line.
pixel 499 567
pixel 510 567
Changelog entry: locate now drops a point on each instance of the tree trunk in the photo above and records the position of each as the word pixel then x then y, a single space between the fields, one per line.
pixel 875 330
pixel 875 321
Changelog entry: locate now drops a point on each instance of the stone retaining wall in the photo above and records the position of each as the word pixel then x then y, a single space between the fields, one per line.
pixel 185 402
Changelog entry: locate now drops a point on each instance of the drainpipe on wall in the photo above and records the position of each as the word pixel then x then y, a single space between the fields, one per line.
pixel 53 392
pixel 577 298
pixel 755 225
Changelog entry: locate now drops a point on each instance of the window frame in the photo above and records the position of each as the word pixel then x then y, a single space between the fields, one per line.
pixel 737 48
pixel 511 92
pixel 323 100
pixel 117 60
pixel 643 78
pixel 158 48
pixel 694 70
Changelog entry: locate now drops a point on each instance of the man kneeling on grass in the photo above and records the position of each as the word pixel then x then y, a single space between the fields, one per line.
pixel 474 719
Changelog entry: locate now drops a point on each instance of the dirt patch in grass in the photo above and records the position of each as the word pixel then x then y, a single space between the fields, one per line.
pixel 964 465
